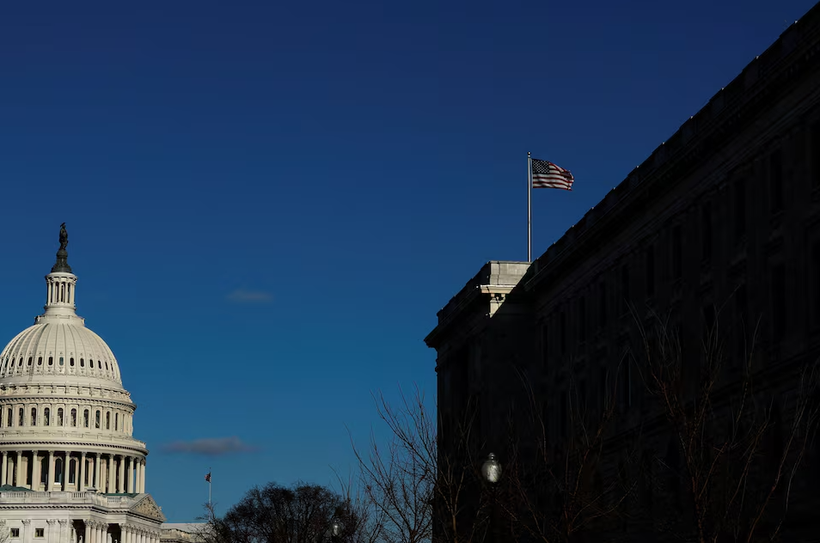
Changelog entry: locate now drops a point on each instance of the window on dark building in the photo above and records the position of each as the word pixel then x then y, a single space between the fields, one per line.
pixel 815 274
pixel 582 319
pixel 706 231
pixel 625 296
pixel 582 397
pixel 740 209
pixel 563 329
pixel 815 155
pixel 708 320
pixel 602 305
pixel 606 394
pixel 776 181
pixel 563 414
pixel 778 295
pixel 741 309
pixel 545 331
pixel 625 383
pixel 677 252
pixel 650 272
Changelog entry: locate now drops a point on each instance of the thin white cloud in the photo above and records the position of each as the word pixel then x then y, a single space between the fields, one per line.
pixel 243 296
pixel 212 446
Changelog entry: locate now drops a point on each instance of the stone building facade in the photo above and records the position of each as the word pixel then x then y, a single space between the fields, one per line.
pixel 721 222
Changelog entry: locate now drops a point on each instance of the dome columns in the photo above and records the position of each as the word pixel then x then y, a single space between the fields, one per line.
pixel 60 289
pixel 108 473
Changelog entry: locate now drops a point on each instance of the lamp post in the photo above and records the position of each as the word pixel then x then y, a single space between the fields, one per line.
pixel 335 530
pixel 491 471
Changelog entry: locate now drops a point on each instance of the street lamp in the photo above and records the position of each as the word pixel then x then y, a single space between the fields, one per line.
pixel 491 469
pixel 335 530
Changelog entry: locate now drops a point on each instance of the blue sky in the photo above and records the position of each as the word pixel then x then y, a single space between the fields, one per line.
pixel 268 201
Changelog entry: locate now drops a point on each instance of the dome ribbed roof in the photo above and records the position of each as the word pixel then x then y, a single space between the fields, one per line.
pixel 61 350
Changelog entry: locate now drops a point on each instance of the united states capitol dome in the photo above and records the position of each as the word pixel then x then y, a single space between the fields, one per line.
pixel 59 347
pixel 71 469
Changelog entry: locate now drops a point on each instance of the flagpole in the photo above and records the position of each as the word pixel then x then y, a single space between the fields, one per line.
pixel 529 207
pixel 209 487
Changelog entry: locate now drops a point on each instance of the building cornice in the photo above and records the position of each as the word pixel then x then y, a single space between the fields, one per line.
pixel 486 291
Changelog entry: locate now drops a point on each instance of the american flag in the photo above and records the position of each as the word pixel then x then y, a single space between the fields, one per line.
pixel 546 175
pixel 208 477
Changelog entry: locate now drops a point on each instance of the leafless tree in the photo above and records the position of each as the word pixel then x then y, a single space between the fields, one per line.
pixel 558 487
pixel 424 483
pixel 737 449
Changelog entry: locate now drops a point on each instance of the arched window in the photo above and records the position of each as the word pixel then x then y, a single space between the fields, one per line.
pixel 85 418
pixel 20 363
pixel 39 360
pixel 72 471
pixel 46 416
pixel 30 360
pixel 82 363
pixel 9 417
pixel 44 470
pixel 97 419
pixel 34 416
pixel 50 360
pixel 106 364
pixel 91 362
pixel 20 416
pixel 116 421
pixel 60 416
pixel 58 470
pixel 61 360
pixel 108 420
pixel 99 365
pixel 74 417
pixel 71 361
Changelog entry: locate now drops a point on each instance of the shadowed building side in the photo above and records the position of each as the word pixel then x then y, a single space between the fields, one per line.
pixel 720 224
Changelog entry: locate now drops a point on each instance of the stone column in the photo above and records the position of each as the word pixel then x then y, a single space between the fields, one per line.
pixel 121 471
pixel 102 528
pixel 50 474
pixel 66 470
pixel 97 472
pixel 3 474
pixel 126 534
pixel 17 471
pixel 138 475
pixel 142 474
pixel 36 470
pixel 62 537
pixel 110 480
pixel 50 531
pixel 26 530
pixel 81 471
